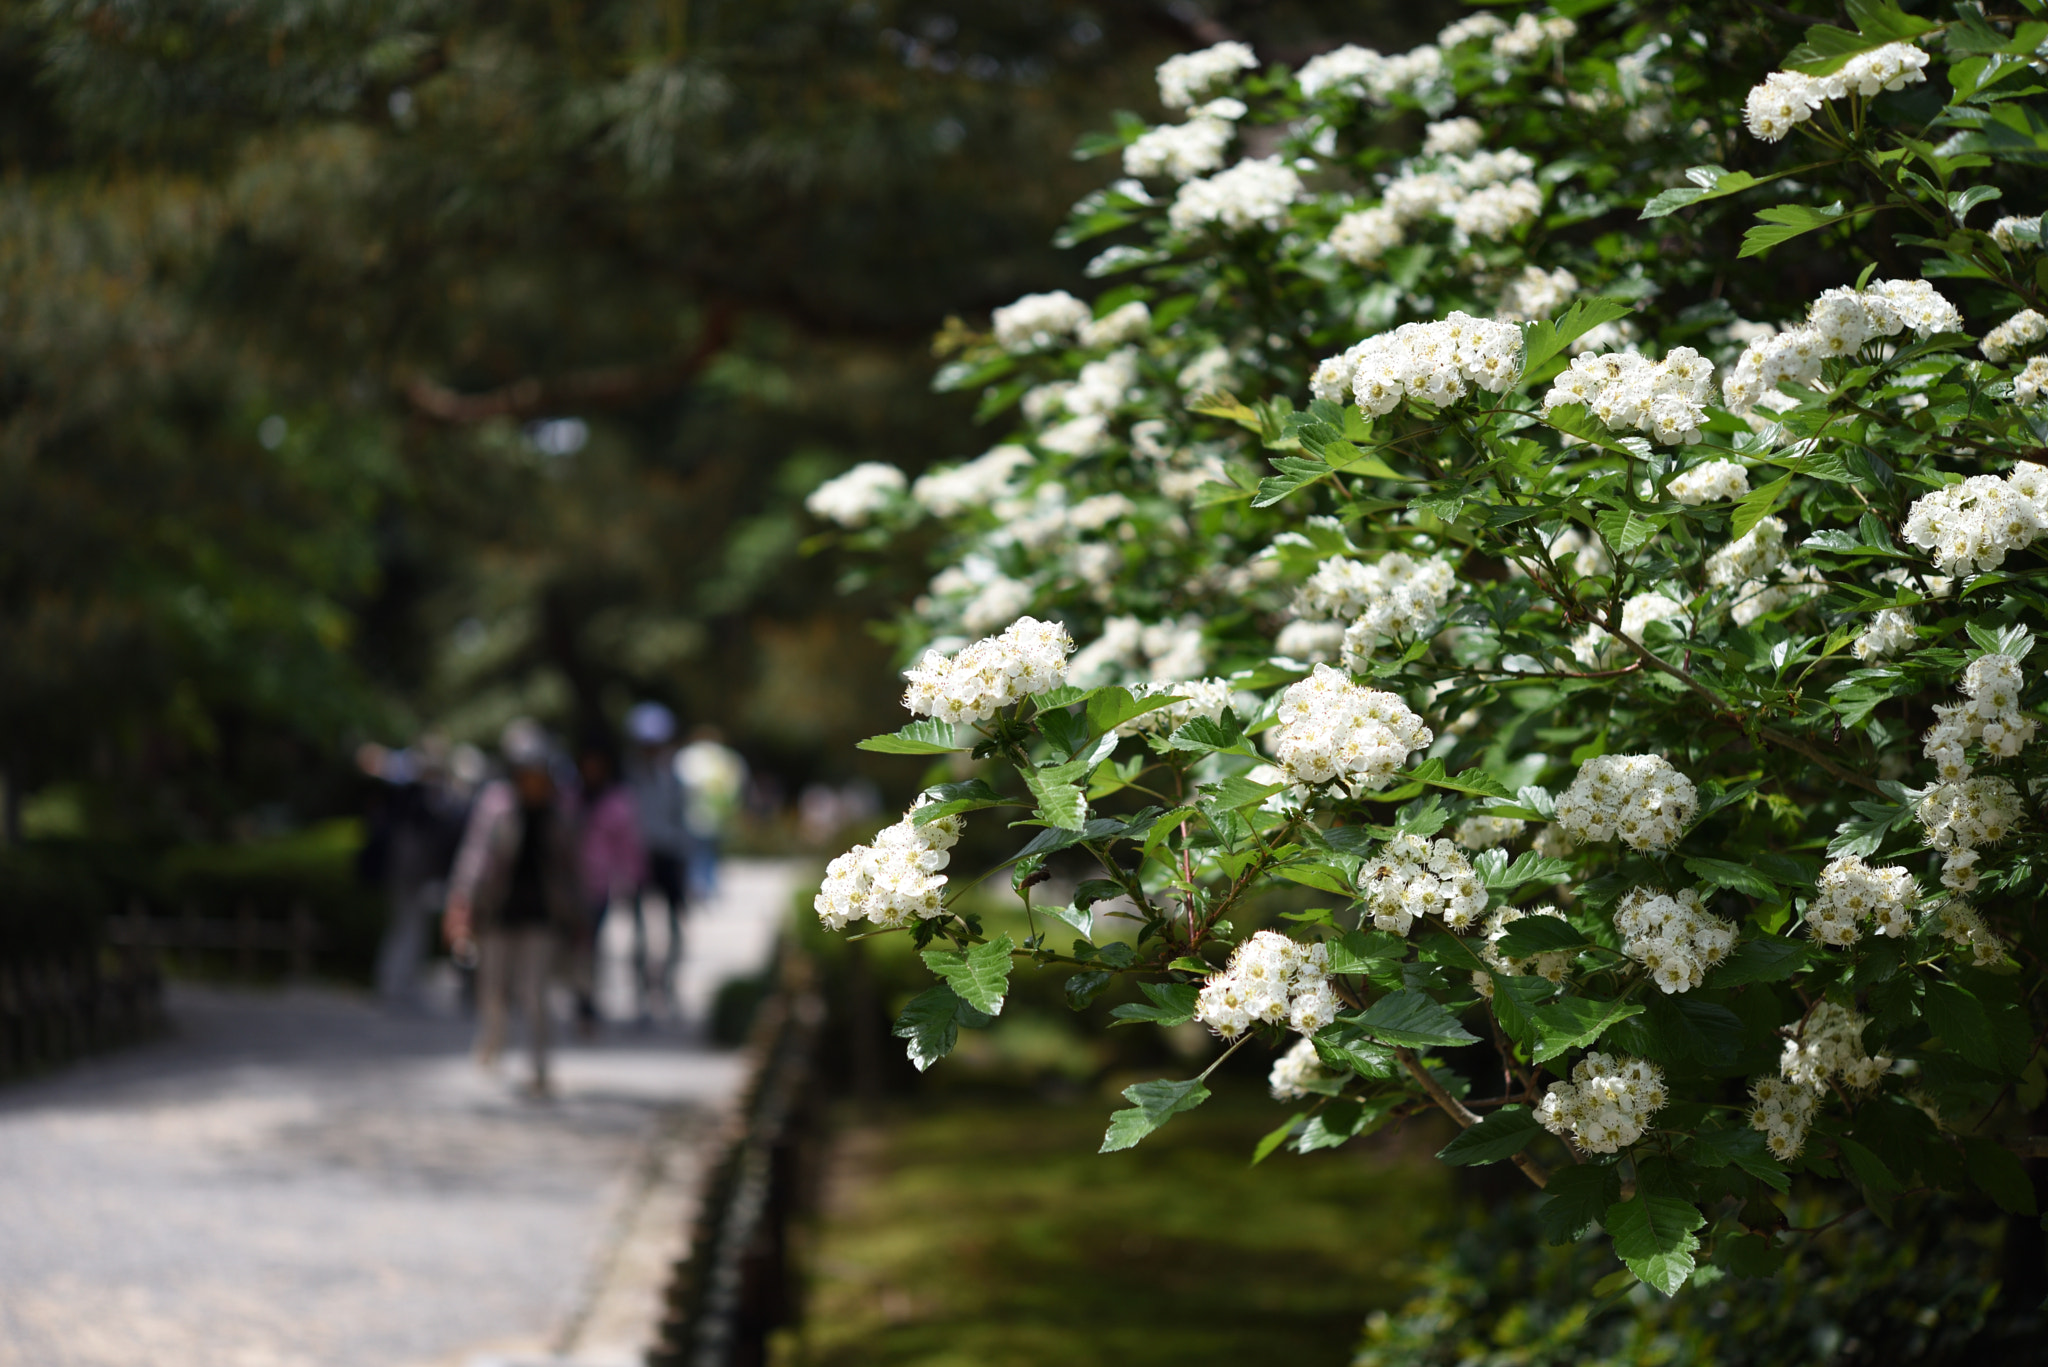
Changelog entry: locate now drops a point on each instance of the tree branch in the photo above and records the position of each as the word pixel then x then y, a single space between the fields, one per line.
pixel 1460 1112
pixel 605 387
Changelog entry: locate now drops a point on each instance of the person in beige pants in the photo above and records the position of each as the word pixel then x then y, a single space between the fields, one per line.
pixel 513 894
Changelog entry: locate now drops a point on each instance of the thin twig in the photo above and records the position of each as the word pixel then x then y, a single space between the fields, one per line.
pixel 1466 1118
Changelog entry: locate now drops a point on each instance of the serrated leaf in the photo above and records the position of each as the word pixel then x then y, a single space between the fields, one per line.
pixel 1536 934
pixel 1503 1134
pixel 1200 733
pixel 1076 919
pixel 1542 341
pixel 1575 1023
pixel 2000 1174
pixel 1344 1048
pixel 931 1022
pixel 978 975
pixel 1701 1030
pixel 1276 1137
pixel 1576 1199
pixel 1237 792
pixel 1708 182
pixel 1766 959
pixel 1756 505
pixel 1475 780
pixel 1783 222
pixel 1083 988
pixel 1530 867
pixel 1653 1236
pixel 1109 708
pixel 1318 875
pixel 951 799
pixel 1625 531
pixel 1359 952
pixel 1171 1004
pixel 1745 1149
pixel 1961 1022
pixel 927 737
pixel 1724 874
pixel 1409 1019
pixel 1061 804
pixel 1218 404
pixel 1153 1104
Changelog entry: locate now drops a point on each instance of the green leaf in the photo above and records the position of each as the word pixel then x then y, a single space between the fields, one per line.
pixel 1360 952
pixel 979 975
pixel 1576 1199
pixel 950 799
pixel 1960 1020
pixel 1503 1134
pixel 1529 867
pixel 1060 803
pixel 1625 531
pixel 1075 918
pixel 927 737
pixel 1536 934
pixel 1960 202
pixel 1756 505
pixel 1653 1236
pixel 1153 1103
pixel 1476 781
pixel 1575 1023
pixel 1412 1020
pixel 931 1021
pixel 1276 1137
pixel 1237 792
pixel 1702 1030
pixel 1745 1149
pixel 1322 876
pixel 1541 341
pixel 1172 1004
pixel 1200 733
pixel 1724 874
pixel 1344 1048
pixel 1083 988
pixel 1109 708
pixel 1217 404
pixel 2000 1174
pixel 1708 182
pixel 1767 959
pixel 1784 222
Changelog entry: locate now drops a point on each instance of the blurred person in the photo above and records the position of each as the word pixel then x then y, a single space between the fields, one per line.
pixel 658 806
pixel 411 844
pixel 714 779
pixel 611 862
pixel 513 892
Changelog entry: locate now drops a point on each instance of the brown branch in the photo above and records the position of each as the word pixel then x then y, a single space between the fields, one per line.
pixel 605 387
pixel 1460 1112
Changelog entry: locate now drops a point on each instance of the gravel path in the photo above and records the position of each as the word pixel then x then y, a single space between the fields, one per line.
pixel 301 1179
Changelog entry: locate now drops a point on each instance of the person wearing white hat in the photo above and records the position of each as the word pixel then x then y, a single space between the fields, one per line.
pixel 658 803
pixel 513 894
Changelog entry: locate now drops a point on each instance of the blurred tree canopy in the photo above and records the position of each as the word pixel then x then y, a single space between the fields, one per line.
pixel 367 366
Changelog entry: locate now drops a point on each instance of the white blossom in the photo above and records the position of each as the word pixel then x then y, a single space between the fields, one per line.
pixel 1890 633
pixel 977 484
pixel 2015 334
pixel 1497 210
pixel 1270 980
pixel 1639 798
pixel 1756 571
pixel 1665 399
pixel 1038 321
pixel 1786 99
pixel 1452 137
pixel 1838 324
pixel 1079 437
pixel 1595 648
pixel 1972 525
pixel 1197 698
pixel 1255 193
pixel 855 497
pixel 894 881
pixel 1782 1112
pixel 1960 816
pixel 1412 877
pixel 1435 362
pixel 1363 236
pixel 1125 323
pixel 1530 36
pixel 1104 386
pixel 1961 926
pixel 1851 893
pixel 1471 29
pixel 1332 732
pixel 1672 935
pixel 1187 77
pixel 1310 642
pixel 1029 657
pixel 1536 293
pixel 1483 832
pixel 1296 1072
pixel 1179 151
pixel 1829 1046
pixel 1552 965
pixel 2015 231
pixel 1710 483
pixel 1607 1104
pixel 1133 651
pixel 2031 383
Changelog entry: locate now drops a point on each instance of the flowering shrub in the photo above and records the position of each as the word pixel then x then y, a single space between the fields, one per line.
pixel 1530 667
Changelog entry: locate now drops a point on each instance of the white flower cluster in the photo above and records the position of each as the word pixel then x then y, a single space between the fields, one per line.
pixel 1135 651
pixel 1124 323
pixel 895 880
pixel 1536 293
pixel 1782 1112
pixel 1497 210
pixel 1472 28
pixel 1838 324
pixel 1452 138
pixel 1972 525
pixel 1297 1072
pixel 1365 74
pixel 1830 1045
pixel 1483 832
pixel 1606 1105
pixel 1959 817
pixel 1890 633
pixel 1710 483
pixel 1335 732
pixel 1435 362
pixel 977 484
pixel 1270 980
pixel 1852 892
pixel 1198 698
pixel 1363 236
pixel 1412 877
pixel 1639 798
pixel 1530 36
pixel 1551 965
pixel 1594 648
pixel 1963 927
pixel 2014 335
pixel 1629 392
pixel 853 498
pixel 1786 99
pixel 1397 595
pixel 2015 231
pixel 1756 570
pixel 1189 76
pixel 1255 193
pixel 1038 321
pixel 1993 684
pixel 2031 383
pixel 1179 151
pixel 1029 657
pixel 1673 935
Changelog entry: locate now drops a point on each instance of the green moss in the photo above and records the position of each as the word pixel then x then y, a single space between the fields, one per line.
pixel 991 1234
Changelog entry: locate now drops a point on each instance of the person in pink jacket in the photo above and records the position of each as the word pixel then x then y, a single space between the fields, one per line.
pixel 611 863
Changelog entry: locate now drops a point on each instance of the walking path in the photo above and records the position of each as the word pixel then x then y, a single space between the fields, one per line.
pixel 302 1179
